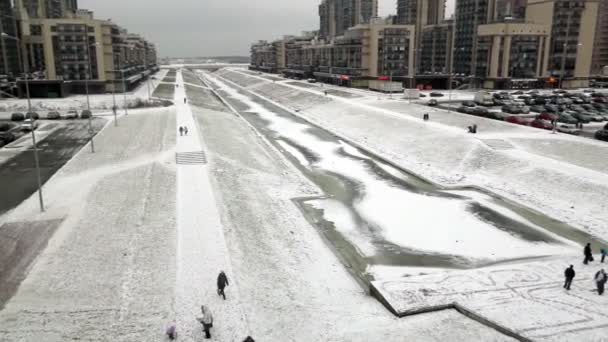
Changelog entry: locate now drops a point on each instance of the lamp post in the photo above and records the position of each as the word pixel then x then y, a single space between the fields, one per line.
pixel 114 96
pixel 146 69
pixel 86 85
pixel 29 110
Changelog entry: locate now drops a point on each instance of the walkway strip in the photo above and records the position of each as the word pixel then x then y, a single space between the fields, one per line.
pixel 201 249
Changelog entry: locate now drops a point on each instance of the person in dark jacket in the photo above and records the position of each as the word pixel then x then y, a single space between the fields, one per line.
pixel 248 339
pixel 588 254
pixel 181 130
pixel 604 252
pixel 171 331
pixel 600 280
pixel 222 282
pixel 569 274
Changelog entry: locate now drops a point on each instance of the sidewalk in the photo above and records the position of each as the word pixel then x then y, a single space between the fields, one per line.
pixel 201 247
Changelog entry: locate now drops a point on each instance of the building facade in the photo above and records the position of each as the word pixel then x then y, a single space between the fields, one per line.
pixel 61 43
pixel 337 16
pixel 10 61
pixel 600 47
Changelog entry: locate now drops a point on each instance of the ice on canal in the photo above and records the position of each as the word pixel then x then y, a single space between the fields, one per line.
pixel 381 210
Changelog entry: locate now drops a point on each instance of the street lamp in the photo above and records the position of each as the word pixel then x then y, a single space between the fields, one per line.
pixel 29 110
pixel 86 84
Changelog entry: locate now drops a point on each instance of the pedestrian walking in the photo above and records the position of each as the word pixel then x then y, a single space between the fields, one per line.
pixel 248 339
pixel 171 331
pixel 222 282
pixel 206 320
pixel 600 280
pixel 181 130
pixel 185 100
pixel 569 274
pixel 588 254
pixel 604 252
pixel 185 130
pixel 425 117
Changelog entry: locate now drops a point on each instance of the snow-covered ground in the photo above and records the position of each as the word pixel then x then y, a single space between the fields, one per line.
pixel 568 186
pixel 527 298
pixel 79 102
pixel 108 273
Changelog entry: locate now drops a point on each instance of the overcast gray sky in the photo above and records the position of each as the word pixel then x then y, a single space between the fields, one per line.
pixel 188 28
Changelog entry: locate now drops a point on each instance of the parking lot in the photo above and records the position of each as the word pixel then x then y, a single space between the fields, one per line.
pixel 57 141
pixel 583 113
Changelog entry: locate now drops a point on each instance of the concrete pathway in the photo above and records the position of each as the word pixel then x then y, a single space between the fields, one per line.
pixel 202 251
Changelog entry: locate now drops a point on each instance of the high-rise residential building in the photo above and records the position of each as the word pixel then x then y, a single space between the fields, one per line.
pixel 573 27
pixel 436 49
pixel 10 65
pixel 513 10
pixel 336 16
pixel 420 12
pixel 600 47
pixel 469 15
pixel 51 9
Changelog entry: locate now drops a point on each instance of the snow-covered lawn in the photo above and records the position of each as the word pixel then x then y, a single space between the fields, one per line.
pixel 108 273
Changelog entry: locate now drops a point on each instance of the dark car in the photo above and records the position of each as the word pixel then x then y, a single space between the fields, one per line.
pixel 602 135
pixel 463 109
pixel 433 102
pixel 436 94
pixel 468 103
pixel 517 92
pixel 582 117
pixel 17 117
pixel 551 108
pixel 529 102
pixel 537 109
pixel 480 111
pixel 86 114
pixel 565 117
pixel 32 115
pixel 511 109
pixel 7 138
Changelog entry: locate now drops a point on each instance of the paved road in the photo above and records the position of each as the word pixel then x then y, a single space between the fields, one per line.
pixel 55 151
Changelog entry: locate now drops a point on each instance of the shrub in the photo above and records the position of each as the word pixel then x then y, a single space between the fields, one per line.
pixel 17 117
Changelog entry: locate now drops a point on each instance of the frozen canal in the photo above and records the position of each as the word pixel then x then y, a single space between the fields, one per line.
pixel 379 218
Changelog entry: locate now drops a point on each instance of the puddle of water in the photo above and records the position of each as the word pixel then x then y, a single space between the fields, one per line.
pixel 375 214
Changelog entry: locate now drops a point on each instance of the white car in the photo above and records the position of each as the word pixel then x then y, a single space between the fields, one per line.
pixel 29 125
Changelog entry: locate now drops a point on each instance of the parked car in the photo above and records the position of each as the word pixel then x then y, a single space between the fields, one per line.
pixel 29 125
pixel 32 115
pixel 596 117
pixel 537 109
pixel 566 118
pixel 86 114
pixel 547 116
pixel 436 94
pixel 432 102
pixel 568 129
pixel 480 111
pixel 582 117
pixel 541 124
pixel 517 92
pixel 511 109
pixel 468 103
pixel 311 80
pixel 53 116
pixel 72 114
pixel 602 135
pixel 17 117
pixel 517 120
pixel 551 108
pixel 529 102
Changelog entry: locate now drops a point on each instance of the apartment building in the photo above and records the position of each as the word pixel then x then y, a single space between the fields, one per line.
pixel 573 25
pixel 336 16
pixel 10 66
pixel 66 48
pixel 600 47
pixel 436 50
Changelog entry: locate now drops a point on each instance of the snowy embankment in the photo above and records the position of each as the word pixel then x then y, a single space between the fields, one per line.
pixel 560 185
